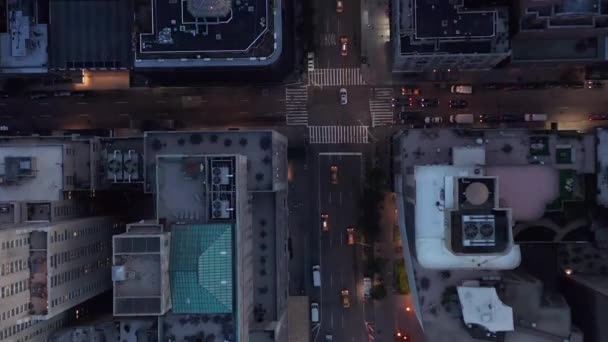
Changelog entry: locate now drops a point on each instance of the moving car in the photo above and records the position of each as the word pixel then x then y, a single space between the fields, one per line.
pixel 345 298
pixel 350 231
pixel 316 276
pixel 504 118
pixel 410 91
pixel 535 117
pixel 597 117
pixel 343 46
pixel 462 118
pixel 329 337
pixel 458 104
pixel 400 336
pixel 339 6
pixel 324 217
pixel 367 287
pixel 595 85
pixel 433 120
pixel 314 312
pixel 343 96
pixel 333 174
pixel 429 103
pixel 461 89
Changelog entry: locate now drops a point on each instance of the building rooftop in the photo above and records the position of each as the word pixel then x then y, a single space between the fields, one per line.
pixel 199 33
pixel 23 47
pixel 202 270
pixel 90 34
pixel 602 167
pixel 546 14
pixel 46 183
pixel 429 27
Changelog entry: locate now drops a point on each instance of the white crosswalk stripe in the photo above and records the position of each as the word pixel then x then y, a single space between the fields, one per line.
pixel 328 39
pixel 338 134
pixel 336 77
pixel 296 105
pixel 381 108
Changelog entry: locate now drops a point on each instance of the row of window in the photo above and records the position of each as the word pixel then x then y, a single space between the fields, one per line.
pixel 19 242
pixel 13 266
pixel 14 288
pixel 58 237
pixel 15 311
pixel 63 211
pixel 69 180
pixel 75 294
pixel 42 329
pixel 92 249
pixel 78 272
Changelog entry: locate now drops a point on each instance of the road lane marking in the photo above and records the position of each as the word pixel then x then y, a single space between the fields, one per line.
pixel 81 103
pixel 331 280
pixel 243 112
pixel 332 320
pixel 45 115
pixel 329 196
pixel 2 104
pixel 6 116
pixel 121 102
pixel 162 114
pixel 43 103
pixel 161 101
pixel 340 154
pixel 83 115
pixel 340 197
pixel 244 100
pixel 124 114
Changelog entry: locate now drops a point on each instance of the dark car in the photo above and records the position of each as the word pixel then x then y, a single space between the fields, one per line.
pixel 595 85
pixel 429 103
pixel 403 101
pixel 458 104
pixel 504 118
pixel 411 118
pixel 597 117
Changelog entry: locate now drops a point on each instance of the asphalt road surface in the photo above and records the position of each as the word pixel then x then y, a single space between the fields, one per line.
pixel 340 269
pixel 330 27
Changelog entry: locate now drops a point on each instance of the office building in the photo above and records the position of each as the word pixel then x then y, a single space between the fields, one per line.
pixel 447 36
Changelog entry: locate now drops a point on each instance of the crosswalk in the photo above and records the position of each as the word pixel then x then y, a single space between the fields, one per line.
pixel 329 39
pixel 296 105
pixel 336 77
pixel 381 108
pixel 338 134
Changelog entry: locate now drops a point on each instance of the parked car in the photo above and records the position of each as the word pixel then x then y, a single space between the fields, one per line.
pixel 504 118
pixel 343 46
pixel 339 6
pixel 410 91
pixel 595 85
pixel 597 117
pixel 345 298
pixel 535 117
pixel 429 103
pixel 462 119
pixel 458 104
pixel 411 118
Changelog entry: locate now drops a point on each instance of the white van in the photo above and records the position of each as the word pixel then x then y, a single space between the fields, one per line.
pixel 316 275
pixel 535 117
pixel 314 312
pixel 462 118
pixel 461 89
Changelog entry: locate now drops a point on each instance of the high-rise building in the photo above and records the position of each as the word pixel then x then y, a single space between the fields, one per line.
pixel 447 35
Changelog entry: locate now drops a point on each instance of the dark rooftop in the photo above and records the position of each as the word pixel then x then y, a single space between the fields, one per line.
pixel 177 31
pixel 442 19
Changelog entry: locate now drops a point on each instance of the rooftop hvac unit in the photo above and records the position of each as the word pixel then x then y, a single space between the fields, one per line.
pixel 114 166
pixel 220 209
pixel 220 175
pixel 131 165
pixel 478 230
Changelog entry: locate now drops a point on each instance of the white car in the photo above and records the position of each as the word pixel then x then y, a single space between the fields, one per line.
pixel 343 96
pixel 433 120
pixel 3 128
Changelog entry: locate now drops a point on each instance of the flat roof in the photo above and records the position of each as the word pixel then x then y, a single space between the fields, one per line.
pixel 442 19
pixel 47 185
pixel 94 34
pixel 602 167
pixel 202 268
pixel 201 32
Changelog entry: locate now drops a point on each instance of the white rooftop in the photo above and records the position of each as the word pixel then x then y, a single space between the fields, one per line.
pixel 48 183
pixel 481 306
pixel 24 50
pixel 434 184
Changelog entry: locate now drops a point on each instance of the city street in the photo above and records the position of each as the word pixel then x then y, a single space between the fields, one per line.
pixel 339 192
